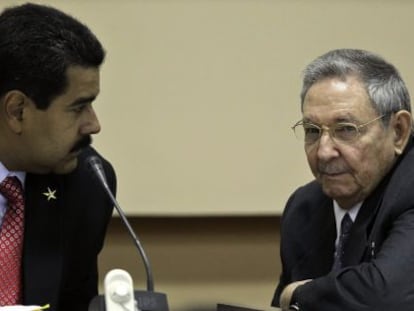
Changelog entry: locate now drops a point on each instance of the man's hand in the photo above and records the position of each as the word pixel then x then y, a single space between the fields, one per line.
pixel 287 293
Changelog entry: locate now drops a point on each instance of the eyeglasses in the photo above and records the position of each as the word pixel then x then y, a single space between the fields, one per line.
pixel 341 132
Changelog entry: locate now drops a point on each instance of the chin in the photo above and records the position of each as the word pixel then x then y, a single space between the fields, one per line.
pixel 66 167
pixel 335 192
pixel 342 194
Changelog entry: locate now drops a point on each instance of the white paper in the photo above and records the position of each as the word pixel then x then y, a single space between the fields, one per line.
pixel 23 308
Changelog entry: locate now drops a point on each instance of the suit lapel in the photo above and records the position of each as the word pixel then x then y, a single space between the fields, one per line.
pixel 358 243
pixel 42 258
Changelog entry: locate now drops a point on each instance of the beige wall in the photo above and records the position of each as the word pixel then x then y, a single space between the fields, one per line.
pixel 197 101
pixel 199 262
pixel 198 96
pixel 206 92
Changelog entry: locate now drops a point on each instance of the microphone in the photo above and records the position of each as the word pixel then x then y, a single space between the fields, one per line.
pixel 146 300
pixel 95 165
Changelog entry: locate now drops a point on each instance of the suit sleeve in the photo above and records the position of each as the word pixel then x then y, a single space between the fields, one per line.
pixel 385 281
pixel 283 279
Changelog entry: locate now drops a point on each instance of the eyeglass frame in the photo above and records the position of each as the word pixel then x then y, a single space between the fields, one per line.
pixel 330 130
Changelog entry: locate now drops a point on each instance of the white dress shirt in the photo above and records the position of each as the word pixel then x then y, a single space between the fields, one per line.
pixel 340 213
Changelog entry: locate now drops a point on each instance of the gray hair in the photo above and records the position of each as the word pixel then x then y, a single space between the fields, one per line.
pixel 383 83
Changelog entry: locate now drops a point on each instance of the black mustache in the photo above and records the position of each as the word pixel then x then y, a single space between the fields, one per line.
pixel 83 143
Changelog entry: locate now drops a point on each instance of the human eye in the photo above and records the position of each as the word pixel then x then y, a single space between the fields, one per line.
pixel 79 107
pixel 81 104
pixel 311 131
pixel 310 128
pixel 345 131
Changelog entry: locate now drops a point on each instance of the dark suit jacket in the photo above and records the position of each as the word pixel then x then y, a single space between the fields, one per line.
pixel 379 257
pixel 64 236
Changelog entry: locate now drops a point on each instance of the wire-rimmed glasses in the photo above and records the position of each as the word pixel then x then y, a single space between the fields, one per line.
pixel 341 132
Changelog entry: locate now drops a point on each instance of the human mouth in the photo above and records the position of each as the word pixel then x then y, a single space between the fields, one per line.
pixel 332 169
pixel 82 143
pixel 332 173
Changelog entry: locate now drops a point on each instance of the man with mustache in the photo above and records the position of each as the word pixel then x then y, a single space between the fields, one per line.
pixel 49 77
pixel 347 238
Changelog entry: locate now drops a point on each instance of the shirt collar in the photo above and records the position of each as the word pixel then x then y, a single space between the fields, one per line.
pixel 4 172
pixel 340 212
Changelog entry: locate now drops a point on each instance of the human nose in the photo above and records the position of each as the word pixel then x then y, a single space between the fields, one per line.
pixel 327 148
pixel 90 123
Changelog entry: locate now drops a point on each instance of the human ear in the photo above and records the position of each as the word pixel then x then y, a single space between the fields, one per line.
pixel 14 103
pixel 402 126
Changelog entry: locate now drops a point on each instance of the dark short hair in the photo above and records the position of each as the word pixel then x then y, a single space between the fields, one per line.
pixel 383 83
pixel 37 45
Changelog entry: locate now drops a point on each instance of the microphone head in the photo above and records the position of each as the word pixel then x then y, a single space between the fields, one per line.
pixel 93 161
pixel 94 164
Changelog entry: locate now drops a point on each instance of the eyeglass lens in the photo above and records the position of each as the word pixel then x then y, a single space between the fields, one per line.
pixel 310 133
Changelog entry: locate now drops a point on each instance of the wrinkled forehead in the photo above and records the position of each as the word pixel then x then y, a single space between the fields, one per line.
pixel 337 100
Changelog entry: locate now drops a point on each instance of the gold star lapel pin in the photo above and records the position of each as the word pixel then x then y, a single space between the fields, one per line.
pixel 50 195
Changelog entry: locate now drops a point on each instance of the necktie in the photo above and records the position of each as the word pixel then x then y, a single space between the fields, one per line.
pixel 346 225
pixel 11 242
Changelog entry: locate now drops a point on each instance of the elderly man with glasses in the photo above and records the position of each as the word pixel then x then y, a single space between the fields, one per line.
pixel 347 238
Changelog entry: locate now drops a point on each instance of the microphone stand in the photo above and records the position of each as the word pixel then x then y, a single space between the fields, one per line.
pixel 148 270
pixel 146 300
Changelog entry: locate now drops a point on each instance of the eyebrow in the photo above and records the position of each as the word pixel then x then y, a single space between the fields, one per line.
pixel 82 101
pixel 348 119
